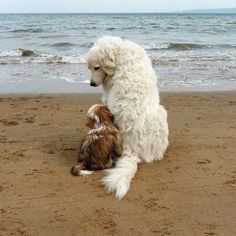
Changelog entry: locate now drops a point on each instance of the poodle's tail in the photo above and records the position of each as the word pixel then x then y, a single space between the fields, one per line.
pixel 118 179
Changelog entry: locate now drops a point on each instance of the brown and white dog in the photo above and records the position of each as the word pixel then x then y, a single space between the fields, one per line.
pixel 102 145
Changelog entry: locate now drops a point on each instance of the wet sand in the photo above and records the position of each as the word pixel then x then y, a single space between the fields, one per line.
pixel 191 192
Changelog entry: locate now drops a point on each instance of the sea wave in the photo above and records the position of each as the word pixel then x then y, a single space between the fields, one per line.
pixel 53 59
pixel 133 28
pixel 196 58
pixel 184 46
pixel 85 81
pixel 48 36
pixel 17 53
pixel 110 28
pixel 11 53
pixel 24 56
pixel 29 30
pixel 68 79
pixel 62 44
pixel 174 46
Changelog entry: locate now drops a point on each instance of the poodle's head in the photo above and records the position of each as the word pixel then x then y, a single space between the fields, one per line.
pixel 101 59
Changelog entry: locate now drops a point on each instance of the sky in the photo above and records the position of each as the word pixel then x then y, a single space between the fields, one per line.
pixel 56 6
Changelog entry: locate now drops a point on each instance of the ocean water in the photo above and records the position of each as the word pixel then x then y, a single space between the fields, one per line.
pixel 188 51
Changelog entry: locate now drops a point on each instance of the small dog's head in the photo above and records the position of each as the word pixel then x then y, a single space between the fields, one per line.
pixel 98 114
pixel 101 60
pixel 97 164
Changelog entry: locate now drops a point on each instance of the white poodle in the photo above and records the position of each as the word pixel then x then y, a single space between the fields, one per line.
pixel 130 92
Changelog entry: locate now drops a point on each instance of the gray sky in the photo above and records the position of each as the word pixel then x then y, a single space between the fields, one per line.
pixel 13 6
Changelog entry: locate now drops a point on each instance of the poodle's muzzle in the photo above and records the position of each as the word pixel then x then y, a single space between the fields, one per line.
pixel 92 84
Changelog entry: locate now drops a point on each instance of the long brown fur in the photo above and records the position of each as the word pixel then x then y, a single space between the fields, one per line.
pixel 102 145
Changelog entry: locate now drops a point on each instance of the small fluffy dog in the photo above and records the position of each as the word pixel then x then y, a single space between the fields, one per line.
pixel 102 145
pixel 130 92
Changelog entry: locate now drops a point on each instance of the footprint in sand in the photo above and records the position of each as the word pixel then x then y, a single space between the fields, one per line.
pixel 231 183
pixel 9 123
pixel 203 161
pixel 30 119
pixel 1 188
pixel 3 137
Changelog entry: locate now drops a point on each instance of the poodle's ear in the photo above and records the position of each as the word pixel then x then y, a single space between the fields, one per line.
pixel 108 64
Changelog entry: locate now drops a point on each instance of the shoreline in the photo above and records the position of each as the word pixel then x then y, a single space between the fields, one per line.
pixel 190 192
pixel 63 87
pixel 162 92
pixel 74 78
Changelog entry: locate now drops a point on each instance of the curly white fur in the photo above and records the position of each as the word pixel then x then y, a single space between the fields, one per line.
pixel 132 96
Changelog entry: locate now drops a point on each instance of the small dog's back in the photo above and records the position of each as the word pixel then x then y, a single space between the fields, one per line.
pixel 102 145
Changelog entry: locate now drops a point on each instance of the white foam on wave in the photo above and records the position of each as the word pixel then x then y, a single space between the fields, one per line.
pixel 63 78
pixel 53 59
pixel 11 53
pixel 69 80
pixel 15 57
pixel 188 58
pixel 85 81
pixel 155 46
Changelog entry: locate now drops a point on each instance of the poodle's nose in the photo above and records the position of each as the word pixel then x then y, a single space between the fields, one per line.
pixel 92 84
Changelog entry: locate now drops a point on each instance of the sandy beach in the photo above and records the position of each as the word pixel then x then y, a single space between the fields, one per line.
pixel 190 192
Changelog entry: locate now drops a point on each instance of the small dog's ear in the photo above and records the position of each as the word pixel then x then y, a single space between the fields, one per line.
pixel 104 114
pixel 90 123
pixel 107 63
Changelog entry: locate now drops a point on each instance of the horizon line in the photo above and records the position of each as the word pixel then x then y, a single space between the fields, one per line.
pixel 113 12
pixel 167 12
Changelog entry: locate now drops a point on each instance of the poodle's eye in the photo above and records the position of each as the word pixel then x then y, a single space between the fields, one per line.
pixel 96 67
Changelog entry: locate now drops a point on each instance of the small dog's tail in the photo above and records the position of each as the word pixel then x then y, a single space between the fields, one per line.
pixel 118 179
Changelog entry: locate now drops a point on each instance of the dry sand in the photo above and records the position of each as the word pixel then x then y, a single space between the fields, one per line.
pixel 190 192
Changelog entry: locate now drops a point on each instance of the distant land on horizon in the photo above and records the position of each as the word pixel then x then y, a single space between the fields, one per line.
pixel 217 10
pixel 210 10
